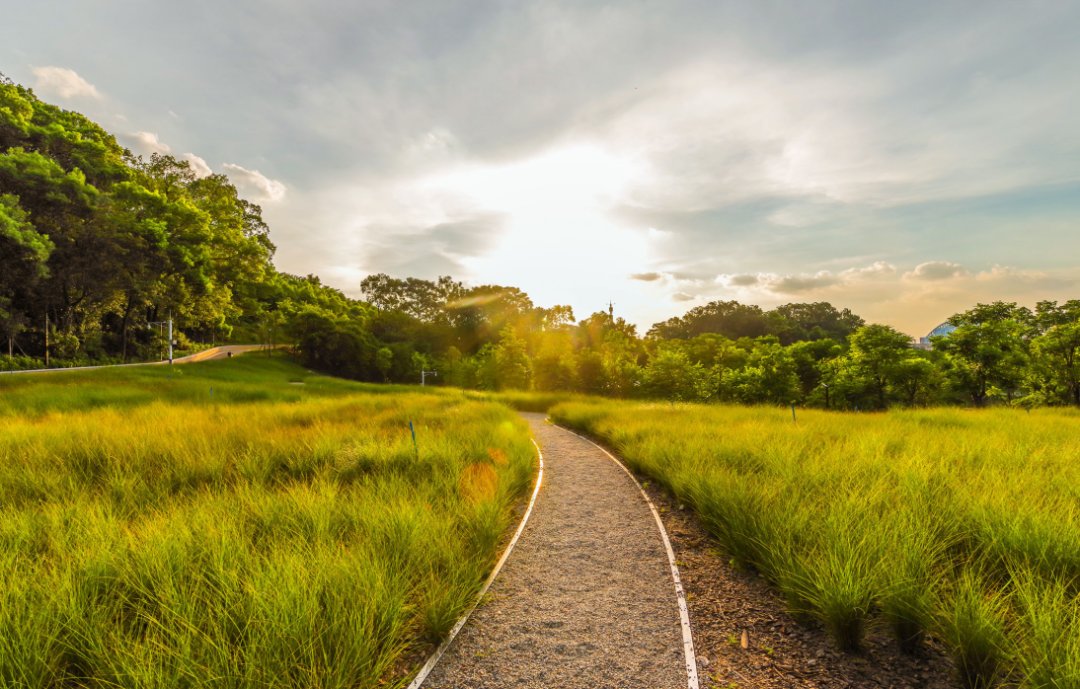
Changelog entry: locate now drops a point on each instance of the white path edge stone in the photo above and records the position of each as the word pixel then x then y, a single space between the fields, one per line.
pixel 438 654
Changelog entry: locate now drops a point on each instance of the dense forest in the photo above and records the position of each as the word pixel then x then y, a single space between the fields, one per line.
pixel 98 247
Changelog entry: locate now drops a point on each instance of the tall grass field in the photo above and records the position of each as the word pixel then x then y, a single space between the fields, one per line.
pixel 961 525
pixel 241 524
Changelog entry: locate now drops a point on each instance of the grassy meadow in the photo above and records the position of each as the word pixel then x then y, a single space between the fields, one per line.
pixel 241 523
pixel 964 525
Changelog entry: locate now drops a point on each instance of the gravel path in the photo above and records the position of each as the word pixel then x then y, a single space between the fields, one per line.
pixel 586 598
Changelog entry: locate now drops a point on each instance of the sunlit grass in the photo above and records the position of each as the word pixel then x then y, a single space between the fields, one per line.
pixel 270 534
pixel 964 525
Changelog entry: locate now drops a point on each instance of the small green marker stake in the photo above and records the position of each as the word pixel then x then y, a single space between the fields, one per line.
pixel 416 449
pixel 793 420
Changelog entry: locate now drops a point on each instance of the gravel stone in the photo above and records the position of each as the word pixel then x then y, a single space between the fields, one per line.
pixel 585 599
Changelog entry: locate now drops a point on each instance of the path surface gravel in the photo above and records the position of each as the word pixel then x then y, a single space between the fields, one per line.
pixel 586 598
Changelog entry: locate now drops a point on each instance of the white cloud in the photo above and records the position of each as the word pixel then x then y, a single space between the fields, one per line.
pixel 435 146
pixel 64 82
pixel 822 135
pixel 198 165
pixel 254 183
pixel 797 284
pixel 936 270
pixel 878 270
pixel 146 143
pixel 800 283
pixel 743 280
pixel 913 301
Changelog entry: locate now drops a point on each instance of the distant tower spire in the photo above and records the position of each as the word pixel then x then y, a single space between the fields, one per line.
pixel 611 310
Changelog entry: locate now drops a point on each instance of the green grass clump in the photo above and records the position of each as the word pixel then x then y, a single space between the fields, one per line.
pixel 911 562
pixel 919 521
pixel 271 534
pixel 972 623
pixel 1048 632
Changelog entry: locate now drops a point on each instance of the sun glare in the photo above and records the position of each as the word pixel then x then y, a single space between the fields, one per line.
pixel 558 231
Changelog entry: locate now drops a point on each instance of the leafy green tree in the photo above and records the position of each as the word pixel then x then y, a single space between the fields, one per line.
pixel 671 375
pixel 338 346
pixel 877 352
pixel 590 372
pixel 513 368
pixel 424 300
pixel 1056 351
pixel 808 355
pixel 68 138
pixel 812 321
pixel 384 361
pixel 553 371
pixel 556 317
pixel 24 255
pixel 482 313
pixel 728 318
pixel 987 353
pixel 768 376
pixel 915 378
pixel 709 350
pixel 12 323
pixel 25 250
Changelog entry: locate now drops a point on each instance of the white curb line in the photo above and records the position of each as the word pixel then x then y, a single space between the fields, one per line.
pixel 680 594
pixel 438 654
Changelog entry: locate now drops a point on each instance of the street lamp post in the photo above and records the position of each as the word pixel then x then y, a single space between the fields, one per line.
pixel 169 323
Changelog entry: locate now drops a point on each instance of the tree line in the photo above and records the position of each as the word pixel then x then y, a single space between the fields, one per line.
pixel 98 247
pixel 814 354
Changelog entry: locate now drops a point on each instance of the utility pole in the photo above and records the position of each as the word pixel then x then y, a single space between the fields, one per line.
pixel 46 339
pixel 160 324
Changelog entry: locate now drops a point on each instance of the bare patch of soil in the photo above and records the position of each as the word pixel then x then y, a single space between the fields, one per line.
pixel 744 636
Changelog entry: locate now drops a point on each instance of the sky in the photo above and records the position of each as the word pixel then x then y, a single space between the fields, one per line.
pixel 904 160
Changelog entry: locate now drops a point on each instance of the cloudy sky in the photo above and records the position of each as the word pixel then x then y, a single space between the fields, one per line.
pixel 906 160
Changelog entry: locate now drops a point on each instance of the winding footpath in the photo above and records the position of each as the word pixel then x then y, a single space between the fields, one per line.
pixel 587 598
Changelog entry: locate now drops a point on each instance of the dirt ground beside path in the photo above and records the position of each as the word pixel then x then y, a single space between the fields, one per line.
pixel 781 653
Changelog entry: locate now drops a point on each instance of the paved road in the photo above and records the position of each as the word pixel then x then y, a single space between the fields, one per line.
pixel 586 599
pixel 205 355
pixel 223 353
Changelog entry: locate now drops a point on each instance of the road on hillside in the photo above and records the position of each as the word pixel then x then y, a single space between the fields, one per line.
pixel 212 354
